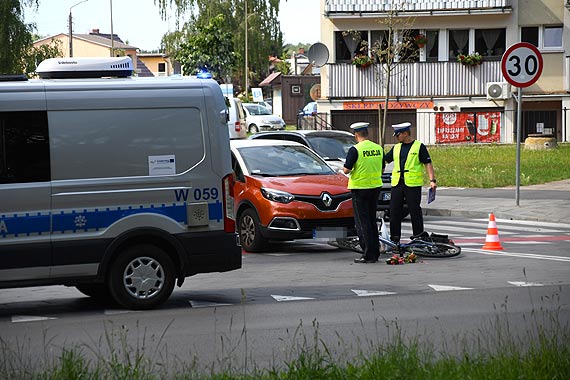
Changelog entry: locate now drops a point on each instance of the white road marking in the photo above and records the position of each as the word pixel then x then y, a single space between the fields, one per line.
pixel 29 318
pixel 116 312
pixel 532 223
pixel 370 293
pixel 198 304
pixel 521 255
pixel 501 225
pixel 522 283
pixel 290 298
pixel 443 288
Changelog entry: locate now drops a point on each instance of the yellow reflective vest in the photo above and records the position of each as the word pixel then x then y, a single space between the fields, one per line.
pixel 367 170
pixel 413 168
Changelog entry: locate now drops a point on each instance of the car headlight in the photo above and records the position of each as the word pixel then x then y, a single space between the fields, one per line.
pixel 277 195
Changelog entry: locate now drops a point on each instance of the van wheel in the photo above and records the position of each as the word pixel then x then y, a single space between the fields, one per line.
pixel 253 128
pixel 249 231
pixel 98 292
pixel 142 277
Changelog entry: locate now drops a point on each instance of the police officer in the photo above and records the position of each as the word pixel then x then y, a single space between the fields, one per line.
pixel 365 163
pixel 409 156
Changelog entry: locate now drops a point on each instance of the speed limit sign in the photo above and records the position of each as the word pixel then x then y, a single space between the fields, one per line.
pixel 522 64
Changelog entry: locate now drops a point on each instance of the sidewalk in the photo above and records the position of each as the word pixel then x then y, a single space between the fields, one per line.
pixel 546 203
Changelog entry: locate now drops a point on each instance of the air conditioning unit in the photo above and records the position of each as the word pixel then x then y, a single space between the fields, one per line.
pixel 498 90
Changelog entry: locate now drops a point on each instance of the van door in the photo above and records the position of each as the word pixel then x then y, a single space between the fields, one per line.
pixel 25 225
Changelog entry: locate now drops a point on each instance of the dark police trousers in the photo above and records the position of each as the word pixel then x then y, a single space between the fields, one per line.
pixel 364 203
pixel 401 194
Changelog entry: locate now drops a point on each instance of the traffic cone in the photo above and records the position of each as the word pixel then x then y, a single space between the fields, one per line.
pixel 492 240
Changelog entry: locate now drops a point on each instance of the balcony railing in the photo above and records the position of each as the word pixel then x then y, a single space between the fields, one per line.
pixel 420 79
pixel 333 7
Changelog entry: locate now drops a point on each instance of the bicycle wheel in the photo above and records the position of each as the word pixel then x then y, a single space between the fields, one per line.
pixel 436 250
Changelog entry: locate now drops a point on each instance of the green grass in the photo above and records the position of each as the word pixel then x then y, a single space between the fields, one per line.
pixel 495 165
pixel 494 352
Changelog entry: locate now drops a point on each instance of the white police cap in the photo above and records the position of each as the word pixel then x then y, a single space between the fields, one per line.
pixel 402 127
pixel 359 126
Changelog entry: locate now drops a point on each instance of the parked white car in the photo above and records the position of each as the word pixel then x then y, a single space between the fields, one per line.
pixel 259 118
pixel 236 119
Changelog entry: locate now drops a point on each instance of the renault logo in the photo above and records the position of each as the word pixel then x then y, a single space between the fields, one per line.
pixel 327 199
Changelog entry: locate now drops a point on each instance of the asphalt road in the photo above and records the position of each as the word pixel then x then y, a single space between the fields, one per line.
pixel 266 312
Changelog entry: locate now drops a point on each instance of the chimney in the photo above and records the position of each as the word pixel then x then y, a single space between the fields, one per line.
pixel 95 31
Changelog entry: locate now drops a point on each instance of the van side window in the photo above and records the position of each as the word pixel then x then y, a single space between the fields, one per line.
pixel 24 147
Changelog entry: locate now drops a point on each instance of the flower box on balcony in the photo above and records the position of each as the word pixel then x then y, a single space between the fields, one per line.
pixel 361 61
pixel 470 59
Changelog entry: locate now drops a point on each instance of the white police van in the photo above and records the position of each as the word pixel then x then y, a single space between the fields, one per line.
pixel 119 186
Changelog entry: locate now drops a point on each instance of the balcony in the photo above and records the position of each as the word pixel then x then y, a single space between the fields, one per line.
pixel 409 80
pixel 363 8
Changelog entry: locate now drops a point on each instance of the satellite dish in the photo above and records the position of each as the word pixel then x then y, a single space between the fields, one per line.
pixel 318 54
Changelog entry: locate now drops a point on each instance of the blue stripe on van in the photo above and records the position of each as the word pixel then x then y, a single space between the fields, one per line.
pixel 15 225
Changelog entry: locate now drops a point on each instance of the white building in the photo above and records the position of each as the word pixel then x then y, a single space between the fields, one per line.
pixel 448 101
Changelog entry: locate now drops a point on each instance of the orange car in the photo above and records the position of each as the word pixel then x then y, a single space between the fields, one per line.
pixel 285 191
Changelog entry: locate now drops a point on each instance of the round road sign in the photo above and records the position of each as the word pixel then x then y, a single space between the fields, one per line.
pixel 521 64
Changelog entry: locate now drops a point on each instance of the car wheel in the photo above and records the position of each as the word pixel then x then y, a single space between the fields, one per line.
pixel 249 231
pixel 142 277
pixel 253 128
pixel 98 292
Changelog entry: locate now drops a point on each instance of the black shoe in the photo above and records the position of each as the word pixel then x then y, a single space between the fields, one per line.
pixel 362 260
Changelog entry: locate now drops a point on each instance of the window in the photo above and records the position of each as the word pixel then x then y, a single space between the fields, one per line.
pixel 458 43
pixel 432 45
pixel 162 67
pixel 24 147
pixel 348 44
pixel 543 37
pixel 490 43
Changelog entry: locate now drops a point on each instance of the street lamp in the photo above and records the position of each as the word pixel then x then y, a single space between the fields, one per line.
pixel 71 28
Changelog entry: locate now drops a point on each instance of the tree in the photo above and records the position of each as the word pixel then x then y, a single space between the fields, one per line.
pixel 35 54
pixel 208 47
pixel 15 35
pixel 264 34
pixel 396 46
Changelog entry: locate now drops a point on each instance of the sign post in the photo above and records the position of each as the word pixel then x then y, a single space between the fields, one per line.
pixel 521 66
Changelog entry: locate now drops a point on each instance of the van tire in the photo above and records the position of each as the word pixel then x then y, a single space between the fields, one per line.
pixel 249 231
pixel 253 128
pixel 155 273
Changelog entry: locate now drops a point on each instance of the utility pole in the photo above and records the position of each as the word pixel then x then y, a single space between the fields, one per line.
pixel 112 36
pixel 246 66
pixel 70 21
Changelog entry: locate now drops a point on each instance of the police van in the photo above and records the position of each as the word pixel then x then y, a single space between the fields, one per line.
pixel 117 185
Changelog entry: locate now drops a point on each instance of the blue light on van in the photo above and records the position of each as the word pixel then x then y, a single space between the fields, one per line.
pixel 204 74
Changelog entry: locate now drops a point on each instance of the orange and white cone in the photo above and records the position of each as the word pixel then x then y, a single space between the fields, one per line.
pixel 492 241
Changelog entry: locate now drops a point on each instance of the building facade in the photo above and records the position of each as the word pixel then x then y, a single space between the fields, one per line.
pixel 448 81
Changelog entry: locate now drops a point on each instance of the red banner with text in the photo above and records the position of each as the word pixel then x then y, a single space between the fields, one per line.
pixel 461 127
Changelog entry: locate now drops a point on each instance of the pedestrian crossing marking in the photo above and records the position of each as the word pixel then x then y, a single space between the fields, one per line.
pixel 521 255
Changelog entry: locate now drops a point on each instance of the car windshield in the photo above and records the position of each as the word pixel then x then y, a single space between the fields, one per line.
pixel 255 109
pixel 331 147
pixel 283 160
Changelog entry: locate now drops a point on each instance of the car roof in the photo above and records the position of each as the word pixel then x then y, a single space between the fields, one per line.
pixel 244 143
pixel 306 132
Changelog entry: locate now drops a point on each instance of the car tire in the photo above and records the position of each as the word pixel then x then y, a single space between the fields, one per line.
pixel 253 128
pixel 98 292
pixel 250 232
pixel 142 277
